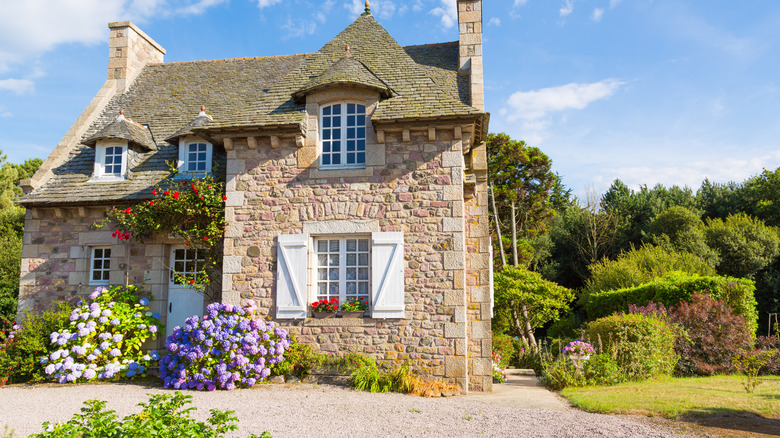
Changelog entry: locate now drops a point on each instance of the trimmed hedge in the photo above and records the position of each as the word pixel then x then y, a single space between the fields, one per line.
pixel 643 346
pixel 737 293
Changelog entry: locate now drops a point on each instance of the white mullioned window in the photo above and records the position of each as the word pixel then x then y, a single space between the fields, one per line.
pixel 100 266
pixel 343 135
pixel 187 263
pixel 110 161
pixel 343 266
pixel 195 157
pixel 368 266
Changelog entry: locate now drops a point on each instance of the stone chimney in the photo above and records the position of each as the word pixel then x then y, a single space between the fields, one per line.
pixel 470 30
pixel 129 50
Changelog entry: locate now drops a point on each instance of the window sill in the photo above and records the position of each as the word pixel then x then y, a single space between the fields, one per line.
pixel 340 172
pixel 340 322
pixel 99 179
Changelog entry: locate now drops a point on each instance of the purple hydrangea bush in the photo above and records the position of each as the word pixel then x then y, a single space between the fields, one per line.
pixel 227 348
pixel 104 339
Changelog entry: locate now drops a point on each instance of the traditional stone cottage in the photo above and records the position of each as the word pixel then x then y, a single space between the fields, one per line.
pixel 358 170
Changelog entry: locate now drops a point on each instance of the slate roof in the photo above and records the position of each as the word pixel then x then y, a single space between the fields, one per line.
pixel 257 92
pixel 345 71
pixel 124 129
pixel 198 122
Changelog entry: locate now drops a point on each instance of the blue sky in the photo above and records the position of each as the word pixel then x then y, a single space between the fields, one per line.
pixel 648 91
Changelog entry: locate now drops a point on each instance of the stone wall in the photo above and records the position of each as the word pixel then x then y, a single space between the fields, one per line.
pixel 418 191
pixel 56 257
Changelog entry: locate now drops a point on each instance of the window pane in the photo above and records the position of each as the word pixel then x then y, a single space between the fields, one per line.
pixel 351 274
pixel 362 273
pixel 350 108
pixel 336 109
pixel 326 111
pixel 363 244
pixel 334 260
pixel 363 259
pixel 334 246
pixel 323 274
pixel 363 288
pixel 333 289
pixel 351 288
pixel 351 259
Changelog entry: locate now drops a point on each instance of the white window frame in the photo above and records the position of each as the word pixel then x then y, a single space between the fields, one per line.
pixel 190 271
pixel 184 161
pixel 342 267
pixel 343 126
pixel 296 273
pixel 100 155
pixel 104 270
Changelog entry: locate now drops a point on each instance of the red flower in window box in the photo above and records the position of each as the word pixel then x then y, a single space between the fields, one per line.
pixel 329 306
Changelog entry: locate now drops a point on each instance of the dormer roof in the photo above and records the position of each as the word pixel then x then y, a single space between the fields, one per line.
pixel 347 71
pixel 125 129
pixel 200 121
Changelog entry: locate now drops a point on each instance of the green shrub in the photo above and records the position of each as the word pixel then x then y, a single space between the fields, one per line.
pixel 20 356
pixel 503 345
pixel 676 287
pixel 299 361
pixel 561 373
pixel 525 357
pixel 642 265
pixel 643 346
pixel 164 416
pixel 602 369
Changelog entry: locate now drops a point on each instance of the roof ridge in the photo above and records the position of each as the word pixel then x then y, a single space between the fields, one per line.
pixel 246 58
pixel 430 44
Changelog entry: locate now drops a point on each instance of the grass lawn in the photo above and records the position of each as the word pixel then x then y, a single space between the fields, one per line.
pixel 678 396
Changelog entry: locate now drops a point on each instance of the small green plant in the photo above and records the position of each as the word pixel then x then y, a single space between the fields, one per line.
pixel 602 369
pixel 750 363
pixel 354 305
pixel 165 415
pixel 560 373
pixel 415 410
pixel 300 361
pixel 20 355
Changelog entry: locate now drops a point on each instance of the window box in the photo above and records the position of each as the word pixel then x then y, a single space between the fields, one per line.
pixel 323 315
pixel 354 314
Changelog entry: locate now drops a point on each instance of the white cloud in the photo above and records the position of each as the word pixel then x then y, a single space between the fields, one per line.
pixel 613 3
pixel 537 104
pixel 18 86
pixel 198 7
pixel 494 21
pixel 266 3
pixel 384 9
pixel 520 2
pixel 448 13
pixel 30 28
pixel 567 8
pixel 598 13
pixel 692 173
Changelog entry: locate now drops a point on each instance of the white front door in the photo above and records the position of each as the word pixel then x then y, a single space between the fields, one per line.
pixel 183 301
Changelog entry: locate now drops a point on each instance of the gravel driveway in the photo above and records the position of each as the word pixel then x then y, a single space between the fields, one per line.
pixel 304 410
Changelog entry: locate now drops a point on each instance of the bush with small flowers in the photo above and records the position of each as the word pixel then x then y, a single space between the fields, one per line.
pixel 104 338
pixel 193 209
pixel 227 348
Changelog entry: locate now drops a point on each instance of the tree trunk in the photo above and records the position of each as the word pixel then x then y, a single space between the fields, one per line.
pixel 526 326
pixel 514 236
pixel 498 227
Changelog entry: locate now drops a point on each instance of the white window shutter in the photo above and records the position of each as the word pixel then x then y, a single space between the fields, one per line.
pixel 490 277
pixel 387 275
pixel 291 276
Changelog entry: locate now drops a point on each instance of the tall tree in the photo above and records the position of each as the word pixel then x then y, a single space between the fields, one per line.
pixel 522 181
pixel 745 244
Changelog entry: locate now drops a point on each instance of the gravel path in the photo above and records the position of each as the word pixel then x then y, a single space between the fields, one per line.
pixel 325 411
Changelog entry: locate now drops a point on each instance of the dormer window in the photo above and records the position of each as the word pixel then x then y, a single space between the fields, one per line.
pixel 195 157
pixel 110 161
pixel 343 136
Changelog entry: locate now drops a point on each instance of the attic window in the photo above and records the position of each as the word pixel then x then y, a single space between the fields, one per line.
pixel 195 157
pixel 110 161
pixel 343 136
